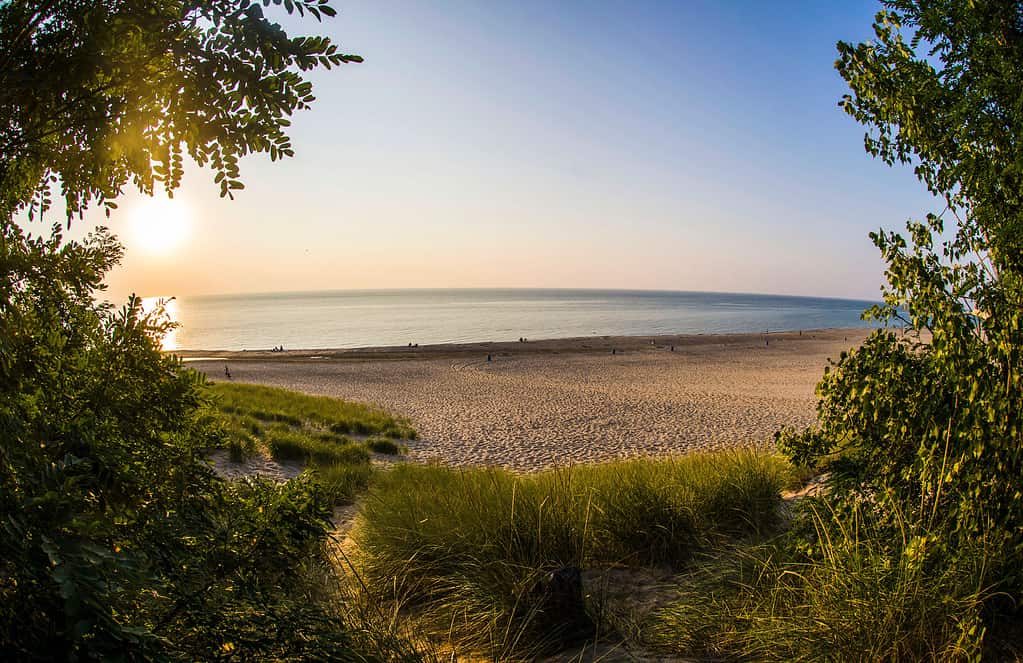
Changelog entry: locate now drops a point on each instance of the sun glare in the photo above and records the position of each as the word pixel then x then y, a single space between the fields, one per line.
pixel 159 224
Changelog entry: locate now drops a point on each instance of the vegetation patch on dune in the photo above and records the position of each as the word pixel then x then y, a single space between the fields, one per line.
pixel 836 586
pixel 273 405
pixel 490 561
pixel 297 427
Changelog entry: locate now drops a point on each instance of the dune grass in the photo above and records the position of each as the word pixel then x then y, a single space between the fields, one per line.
pixel 286 443
pixel 487 562
pixel 270 404
pixel 311 429
pixel 344 481
pixel 843 589
pixel 384 445
pixel 475 553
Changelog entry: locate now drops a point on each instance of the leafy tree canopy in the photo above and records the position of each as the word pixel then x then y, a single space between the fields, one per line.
pixel 941 87
pixel 928 423
pixel 117 542
pixel 97 95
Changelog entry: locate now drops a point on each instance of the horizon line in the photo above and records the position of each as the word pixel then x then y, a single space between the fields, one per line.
pixel 271 293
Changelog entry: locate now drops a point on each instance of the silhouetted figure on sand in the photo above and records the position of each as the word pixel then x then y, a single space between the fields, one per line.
pixel 227 372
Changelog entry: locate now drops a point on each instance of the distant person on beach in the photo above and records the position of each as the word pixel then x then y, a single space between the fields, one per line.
pixel 227 372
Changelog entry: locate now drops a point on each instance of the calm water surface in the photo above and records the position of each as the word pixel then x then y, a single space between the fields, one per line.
pixel 349 319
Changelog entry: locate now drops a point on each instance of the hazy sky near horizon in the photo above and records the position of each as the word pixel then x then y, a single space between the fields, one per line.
pixel 675 145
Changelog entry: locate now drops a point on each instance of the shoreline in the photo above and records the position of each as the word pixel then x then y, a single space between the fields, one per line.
pixel 554 403
pixel 553 346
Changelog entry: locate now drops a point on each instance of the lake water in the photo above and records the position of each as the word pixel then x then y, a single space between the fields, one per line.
pixel 349 319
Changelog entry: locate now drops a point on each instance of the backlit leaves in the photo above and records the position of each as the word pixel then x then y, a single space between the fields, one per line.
pixel 106 94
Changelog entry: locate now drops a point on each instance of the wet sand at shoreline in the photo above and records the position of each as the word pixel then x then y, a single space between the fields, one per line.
pixel 550 403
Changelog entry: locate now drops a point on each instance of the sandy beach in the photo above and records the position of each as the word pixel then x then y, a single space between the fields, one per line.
pixel 540 404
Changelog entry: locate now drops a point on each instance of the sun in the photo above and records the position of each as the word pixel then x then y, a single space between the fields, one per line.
pixel 159 225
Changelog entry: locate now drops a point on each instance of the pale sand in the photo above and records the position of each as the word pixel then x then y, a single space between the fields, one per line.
pixel 553 403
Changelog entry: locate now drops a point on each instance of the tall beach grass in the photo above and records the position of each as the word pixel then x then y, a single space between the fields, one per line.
pixel 843 589
pixel 489 561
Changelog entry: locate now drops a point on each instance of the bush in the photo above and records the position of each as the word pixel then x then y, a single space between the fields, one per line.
pixel 117 540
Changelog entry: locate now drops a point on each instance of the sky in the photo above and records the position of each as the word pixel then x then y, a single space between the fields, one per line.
pixel 634 145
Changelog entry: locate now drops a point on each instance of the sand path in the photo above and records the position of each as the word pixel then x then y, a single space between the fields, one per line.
pixel 537 405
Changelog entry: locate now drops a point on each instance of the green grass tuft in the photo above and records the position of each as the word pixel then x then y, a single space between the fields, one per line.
pixel 343 482
pixel 383 445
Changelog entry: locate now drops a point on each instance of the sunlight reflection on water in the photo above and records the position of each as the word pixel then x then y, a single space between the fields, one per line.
pixel 172 312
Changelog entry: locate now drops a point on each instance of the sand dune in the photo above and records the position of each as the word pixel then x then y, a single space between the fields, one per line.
pixel 550 403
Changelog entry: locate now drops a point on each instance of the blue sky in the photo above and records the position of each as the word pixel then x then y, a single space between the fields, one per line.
pixel 680 146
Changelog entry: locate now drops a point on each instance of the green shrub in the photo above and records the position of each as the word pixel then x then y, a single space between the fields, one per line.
pixel 117 540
